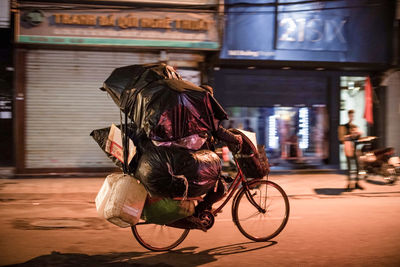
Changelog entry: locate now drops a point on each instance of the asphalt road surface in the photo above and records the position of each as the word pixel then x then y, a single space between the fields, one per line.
pixel 60 227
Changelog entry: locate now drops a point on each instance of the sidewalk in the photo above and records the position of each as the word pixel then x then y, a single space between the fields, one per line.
pixel 294 184
pixel 325 185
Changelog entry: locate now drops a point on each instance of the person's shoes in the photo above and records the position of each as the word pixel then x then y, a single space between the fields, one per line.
pixel 357 186
pixel 190 222
pixel 197 222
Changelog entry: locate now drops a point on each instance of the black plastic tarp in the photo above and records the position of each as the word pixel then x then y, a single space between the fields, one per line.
pixel 169 110
pixel 123 81
pixel 163 170
pixel 160 104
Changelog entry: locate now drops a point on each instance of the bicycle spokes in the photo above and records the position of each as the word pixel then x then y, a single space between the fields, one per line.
pixel 261 210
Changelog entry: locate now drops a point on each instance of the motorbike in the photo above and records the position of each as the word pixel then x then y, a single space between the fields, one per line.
pixel 377 163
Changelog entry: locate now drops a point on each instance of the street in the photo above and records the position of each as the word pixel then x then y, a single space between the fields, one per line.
pixel 53 222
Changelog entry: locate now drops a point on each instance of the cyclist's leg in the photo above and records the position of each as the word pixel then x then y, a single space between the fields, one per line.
pixel 212 196
pixel 191 222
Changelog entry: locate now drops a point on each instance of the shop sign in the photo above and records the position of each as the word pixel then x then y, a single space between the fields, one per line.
pixel 289 30
pixel 122 28
pixel 305 31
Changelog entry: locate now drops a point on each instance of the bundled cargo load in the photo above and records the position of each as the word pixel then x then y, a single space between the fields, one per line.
pixel 169 110
pixel 169 121
pixel 166 210
pixel 162 106
pixel 121 199
pixel 110 141
pixel 177 172
pixel 101 138
pixel 124 81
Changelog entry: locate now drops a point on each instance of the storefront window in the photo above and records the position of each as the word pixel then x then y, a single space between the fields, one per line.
pixel 291 135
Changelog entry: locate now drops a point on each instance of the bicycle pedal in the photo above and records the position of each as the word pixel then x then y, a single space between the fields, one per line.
pixel 207 219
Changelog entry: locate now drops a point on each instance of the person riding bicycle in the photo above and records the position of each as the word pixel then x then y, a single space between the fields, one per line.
pixel 234 143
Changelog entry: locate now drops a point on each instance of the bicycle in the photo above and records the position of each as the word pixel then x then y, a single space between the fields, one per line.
pixel 257 204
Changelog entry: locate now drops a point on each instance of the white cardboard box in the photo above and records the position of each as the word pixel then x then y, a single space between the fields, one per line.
pixel 121 199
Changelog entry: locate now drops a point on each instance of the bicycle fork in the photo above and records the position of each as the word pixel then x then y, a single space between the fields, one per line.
pixel 251 199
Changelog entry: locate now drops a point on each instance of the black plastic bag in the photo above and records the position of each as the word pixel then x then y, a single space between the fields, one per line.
pixel 177 172
pixel 125 80
pixel 160 104
pixel 169 110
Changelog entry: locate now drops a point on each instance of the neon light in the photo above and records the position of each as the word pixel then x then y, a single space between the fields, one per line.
pixel 272 132
pixel 304 128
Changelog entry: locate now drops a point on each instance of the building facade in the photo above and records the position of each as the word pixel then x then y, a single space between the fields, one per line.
pixel 64 52
pixel 291 71
pixel 288 71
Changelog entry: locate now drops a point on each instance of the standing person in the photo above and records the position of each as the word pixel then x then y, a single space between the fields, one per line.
pixel 348 135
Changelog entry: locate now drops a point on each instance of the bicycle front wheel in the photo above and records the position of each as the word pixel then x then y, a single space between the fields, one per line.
pixel 261 211
pixel 157 237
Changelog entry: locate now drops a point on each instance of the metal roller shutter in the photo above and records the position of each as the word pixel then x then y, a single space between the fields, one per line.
pixel 64 104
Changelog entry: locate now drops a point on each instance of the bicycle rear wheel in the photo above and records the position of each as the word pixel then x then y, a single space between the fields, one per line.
pixel 157 237
pixel 268 221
